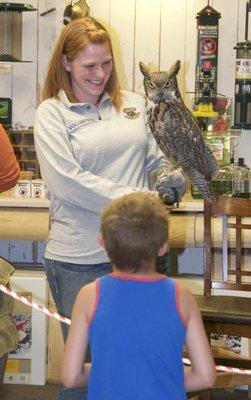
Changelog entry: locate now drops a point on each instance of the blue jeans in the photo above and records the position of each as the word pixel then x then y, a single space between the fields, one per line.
pixel 65 281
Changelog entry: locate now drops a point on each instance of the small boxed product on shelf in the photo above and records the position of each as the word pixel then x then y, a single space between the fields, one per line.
pixel 22 189
pixel 37 188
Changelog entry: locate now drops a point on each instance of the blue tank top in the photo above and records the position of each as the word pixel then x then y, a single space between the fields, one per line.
pixel 136 335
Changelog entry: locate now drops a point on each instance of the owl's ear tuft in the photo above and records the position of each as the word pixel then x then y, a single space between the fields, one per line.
pixel 175 68
pixel 144 68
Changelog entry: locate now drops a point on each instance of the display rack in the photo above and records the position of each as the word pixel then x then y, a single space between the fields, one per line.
pixel 23 144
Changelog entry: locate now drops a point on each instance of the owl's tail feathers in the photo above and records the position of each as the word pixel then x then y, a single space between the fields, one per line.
pixel 204 186
pixel 211 162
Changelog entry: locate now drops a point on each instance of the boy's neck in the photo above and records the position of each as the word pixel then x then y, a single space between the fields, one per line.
pixel 151 271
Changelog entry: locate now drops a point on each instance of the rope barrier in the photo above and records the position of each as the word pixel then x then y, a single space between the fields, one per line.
pixel 222 368
pixel 32 304
pixel 186 361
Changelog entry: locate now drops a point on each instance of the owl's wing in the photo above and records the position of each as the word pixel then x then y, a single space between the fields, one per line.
pixel 180 139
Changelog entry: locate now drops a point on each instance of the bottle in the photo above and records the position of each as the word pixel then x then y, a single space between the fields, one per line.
pixel 222 181
pixel 233 179
pixel 240 179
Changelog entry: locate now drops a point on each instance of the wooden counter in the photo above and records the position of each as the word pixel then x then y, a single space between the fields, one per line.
pixel 28 219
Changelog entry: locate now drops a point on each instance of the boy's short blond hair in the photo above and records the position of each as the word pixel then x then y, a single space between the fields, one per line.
pixel 134 228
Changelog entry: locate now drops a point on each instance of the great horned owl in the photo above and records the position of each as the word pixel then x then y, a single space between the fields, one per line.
pixel 175 129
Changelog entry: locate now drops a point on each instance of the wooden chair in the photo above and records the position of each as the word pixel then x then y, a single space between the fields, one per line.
pixel 228 314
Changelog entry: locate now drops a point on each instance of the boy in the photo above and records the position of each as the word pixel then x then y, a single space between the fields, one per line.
pixel 137 320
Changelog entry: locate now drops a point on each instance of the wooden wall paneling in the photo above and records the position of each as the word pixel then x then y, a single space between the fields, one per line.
pixel 23 250
pixel 60 7
pixel 41 244
pixel 5 249
pixel 241 20
pixel 227 40
pixel 49 26
pixel 122 34
pixel 190 259
pixel 172 39
pixel 6 84
pixel 193 7
pixel 101 11
pixel 147 39
pixel 24 95
pixel 20 251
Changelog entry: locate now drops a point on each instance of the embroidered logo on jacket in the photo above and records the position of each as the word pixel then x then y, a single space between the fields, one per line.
pixel 131 113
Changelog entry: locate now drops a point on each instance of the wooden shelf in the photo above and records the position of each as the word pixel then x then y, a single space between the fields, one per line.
pixel 23 145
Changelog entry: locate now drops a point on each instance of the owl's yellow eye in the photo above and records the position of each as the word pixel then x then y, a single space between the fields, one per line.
pixel 151 85
pixel 168 83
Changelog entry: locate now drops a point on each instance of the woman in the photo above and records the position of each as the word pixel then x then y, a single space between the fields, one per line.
pixel 92 147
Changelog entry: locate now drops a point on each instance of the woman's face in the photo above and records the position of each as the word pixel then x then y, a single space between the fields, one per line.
pixel 90 71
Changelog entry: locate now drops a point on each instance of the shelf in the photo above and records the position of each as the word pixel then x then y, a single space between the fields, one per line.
pixel 23 145
pixel 231 133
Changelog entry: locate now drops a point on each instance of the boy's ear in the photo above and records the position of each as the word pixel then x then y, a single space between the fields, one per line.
pixel 101 240
pixel 163 250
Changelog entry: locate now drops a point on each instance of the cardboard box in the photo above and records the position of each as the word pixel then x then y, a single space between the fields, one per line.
pixel 22 189
pixel 37 188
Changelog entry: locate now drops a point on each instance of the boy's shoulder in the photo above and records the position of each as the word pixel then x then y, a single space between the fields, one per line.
pixel 87 297
pixel 186 300
pixel 86 290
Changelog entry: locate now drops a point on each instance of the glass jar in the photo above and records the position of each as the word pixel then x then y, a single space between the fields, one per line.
pixel 233 179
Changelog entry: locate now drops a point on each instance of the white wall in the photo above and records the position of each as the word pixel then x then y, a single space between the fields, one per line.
pixel 155 31
pixel 158 32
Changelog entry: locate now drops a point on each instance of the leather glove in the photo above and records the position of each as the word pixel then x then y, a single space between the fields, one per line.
pixel 171 184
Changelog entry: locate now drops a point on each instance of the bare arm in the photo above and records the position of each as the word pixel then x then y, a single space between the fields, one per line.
pixel 74 372
pixel 202 373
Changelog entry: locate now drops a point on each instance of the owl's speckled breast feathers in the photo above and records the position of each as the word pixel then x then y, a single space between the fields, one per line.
pixel 176 130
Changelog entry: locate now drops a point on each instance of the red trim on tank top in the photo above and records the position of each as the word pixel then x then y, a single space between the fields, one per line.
pixel 137 278
pixel 177 301
pixel 94 309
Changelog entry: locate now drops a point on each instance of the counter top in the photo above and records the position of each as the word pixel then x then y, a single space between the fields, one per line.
pixel 28 219
pixel 187 204
pixel 26 202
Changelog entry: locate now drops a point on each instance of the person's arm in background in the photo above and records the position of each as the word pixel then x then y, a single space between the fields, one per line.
pixel 202 373
pixel 9 167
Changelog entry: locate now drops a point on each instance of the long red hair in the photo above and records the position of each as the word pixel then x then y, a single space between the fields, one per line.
pixel 74 38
